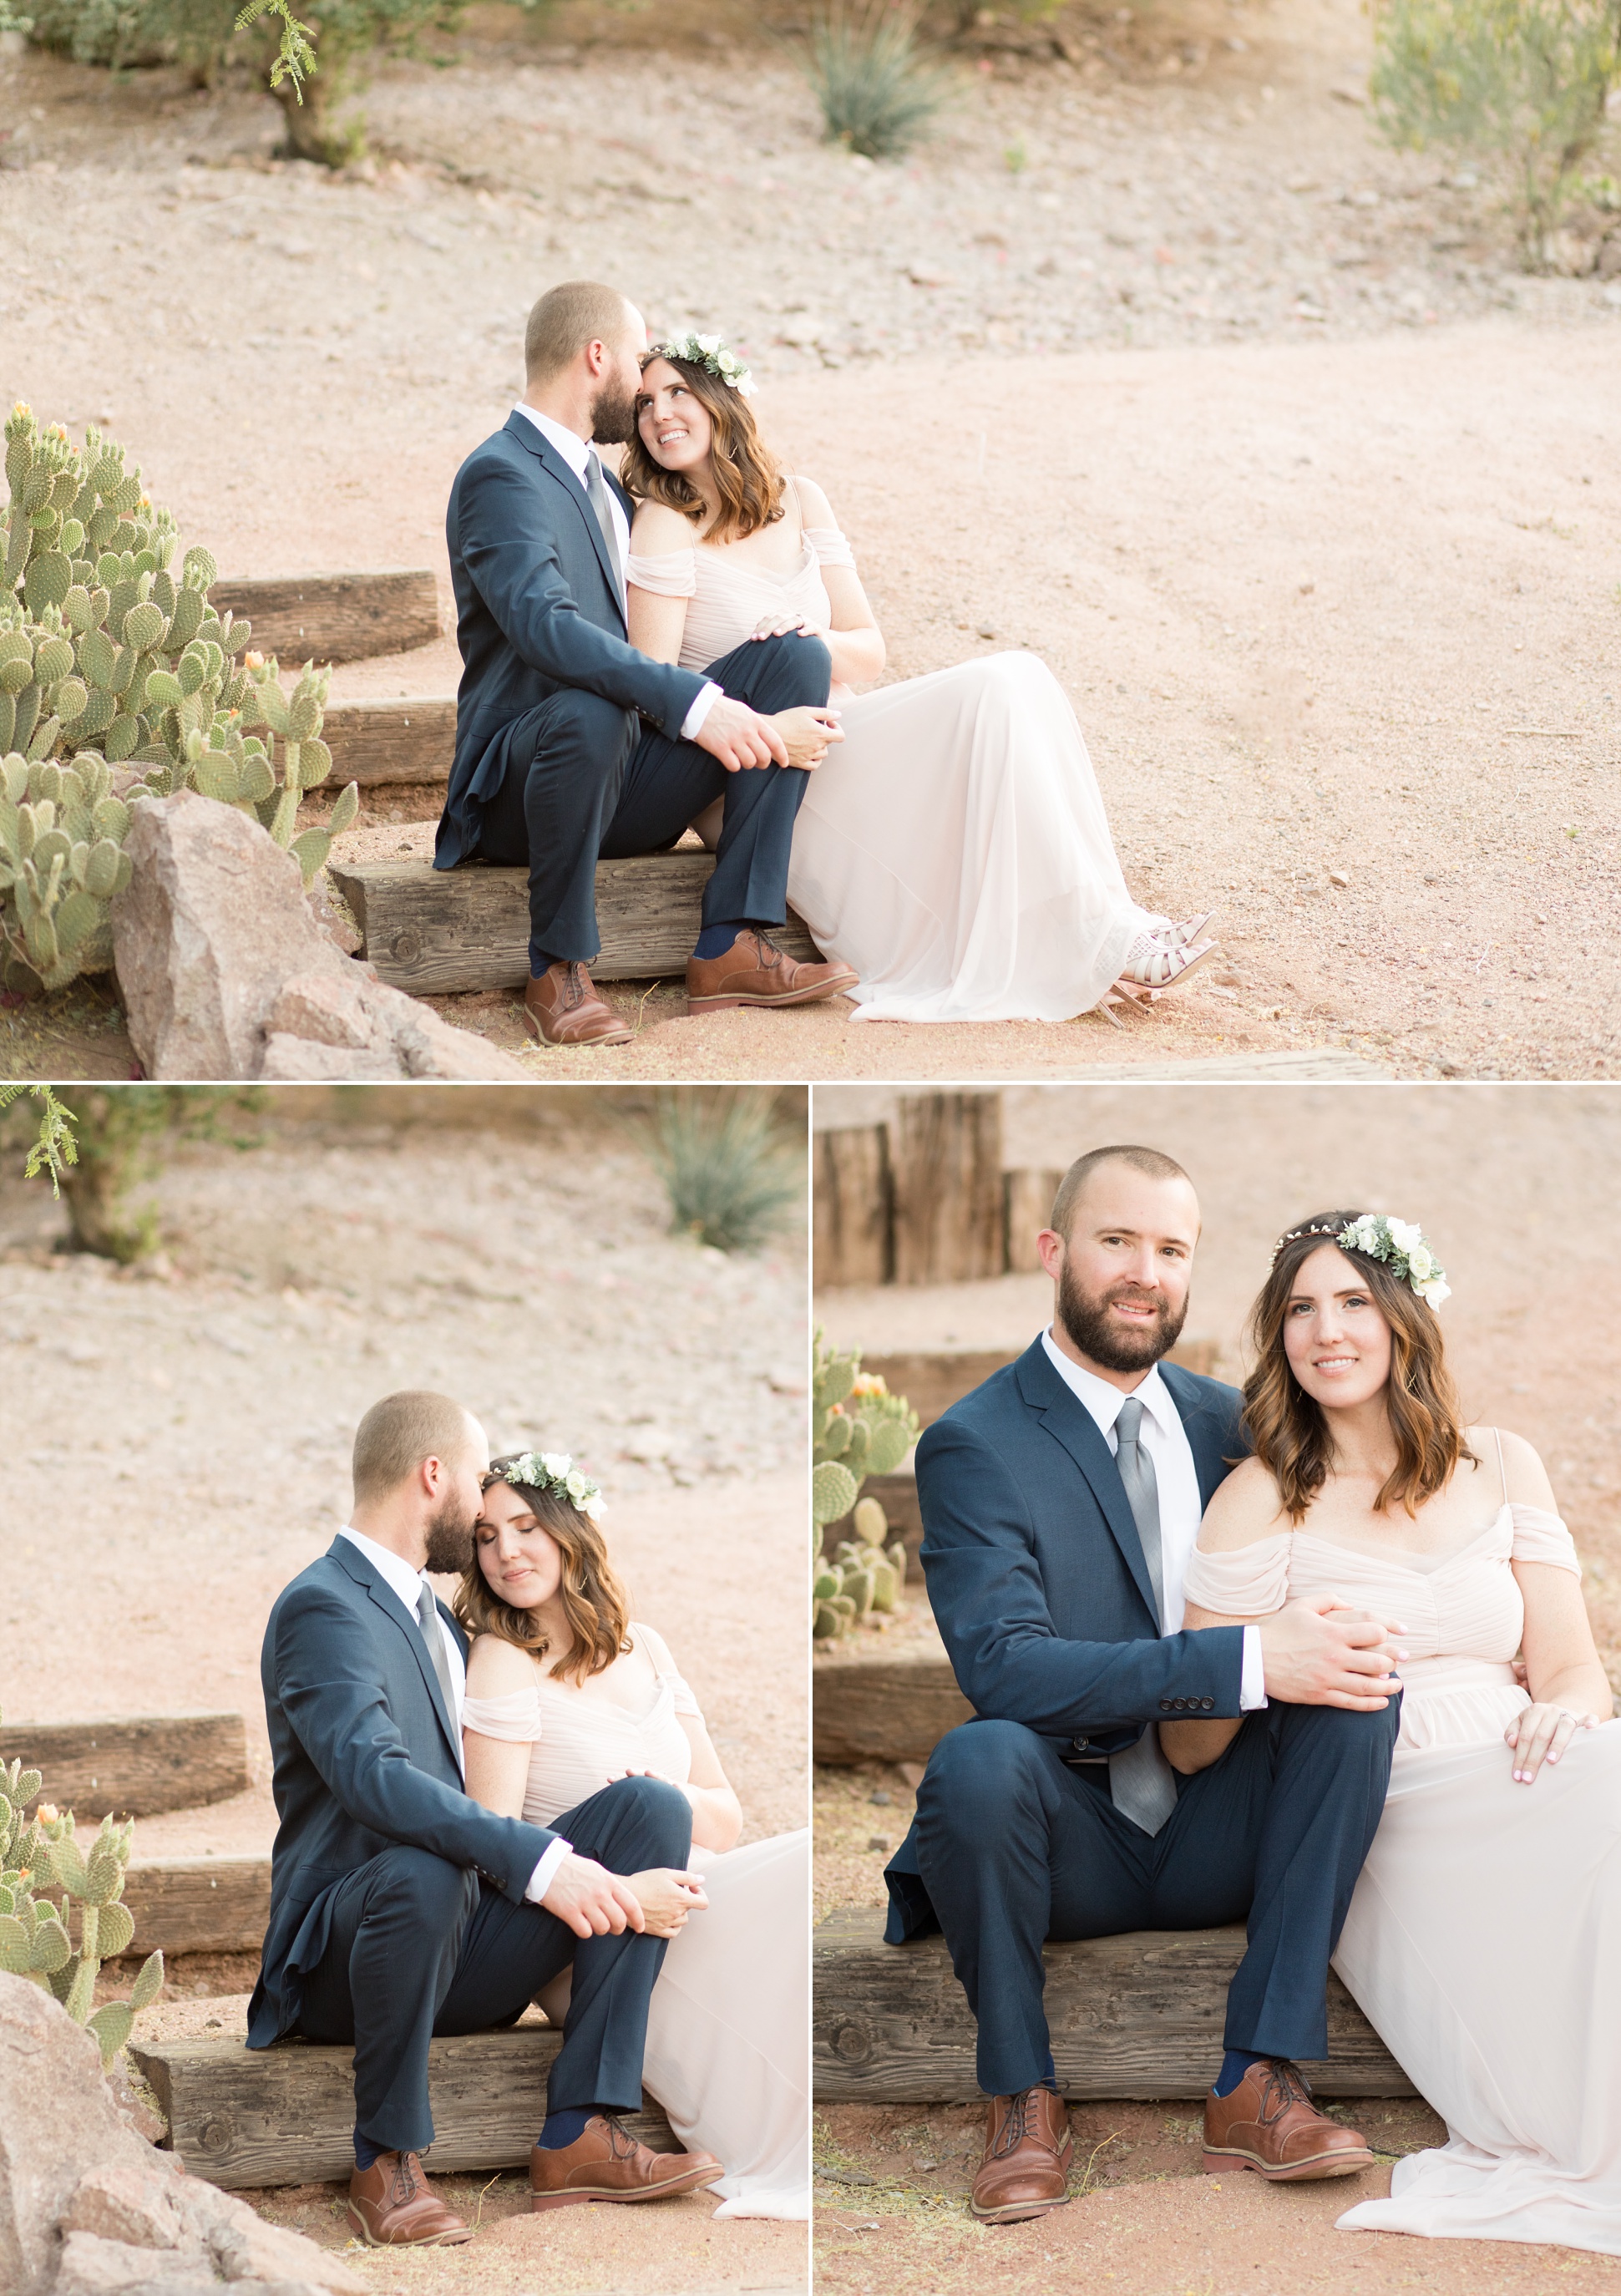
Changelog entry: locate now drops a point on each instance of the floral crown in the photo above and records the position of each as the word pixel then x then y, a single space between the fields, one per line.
pixel 549 1471
pixel 711 353
pixel 1398 1244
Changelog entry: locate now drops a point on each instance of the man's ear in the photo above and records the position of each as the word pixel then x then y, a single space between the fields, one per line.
pixel 1050 1245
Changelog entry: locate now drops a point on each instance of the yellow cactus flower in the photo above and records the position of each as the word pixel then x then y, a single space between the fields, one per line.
pixel 46 1812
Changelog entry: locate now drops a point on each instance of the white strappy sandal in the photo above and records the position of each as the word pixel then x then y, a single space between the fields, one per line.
pixel 1178 936
pixel 1152 967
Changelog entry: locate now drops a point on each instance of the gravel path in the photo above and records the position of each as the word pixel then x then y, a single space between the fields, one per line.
pixel 1178 376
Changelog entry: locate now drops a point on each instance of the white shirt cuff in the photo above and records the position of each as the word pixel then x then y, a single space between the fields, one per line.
pixel 1252 1681
pixel 692 723
pixel 545 1873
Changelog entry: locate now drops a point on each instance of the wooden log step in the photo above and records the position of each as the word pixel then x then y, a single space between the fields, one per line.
pixel 1139 2015
pixel 385 741
pixel 433 932
pixel 135 1766
pixel 882 1709
pixel 245 2116
pixel 323 617
pixel 198 1904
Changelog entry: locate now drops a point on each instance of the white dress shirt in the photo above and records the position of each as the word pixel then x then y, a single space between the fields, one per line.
pixel 401 1579
pixel 576 452
pixel 1165 1441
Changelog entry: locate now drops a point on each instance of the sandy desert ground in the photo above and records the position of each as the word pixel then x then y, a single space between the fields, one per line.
pixel 1502 1178
pixel 1158 363
pixel 177 1442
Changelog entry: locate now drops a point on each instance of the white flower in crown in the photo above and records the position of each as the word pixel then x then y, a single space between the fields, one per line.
pixel 1400 1244
pixel 711 353
pixel 554 1471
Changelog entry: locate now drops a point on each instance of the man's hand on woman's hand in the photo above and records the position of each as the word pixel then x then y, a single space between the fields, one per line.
pixel 738 736
pixel 593 1901
pixel 666 1896
pixel 1541 1734
pixel 806 733
pixel 1319 1652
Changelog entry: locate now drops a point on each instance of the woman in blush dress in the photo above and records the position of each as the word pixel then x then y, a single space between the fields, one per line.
pixel 952 845
pixel 566 1694
pixel 1484 1938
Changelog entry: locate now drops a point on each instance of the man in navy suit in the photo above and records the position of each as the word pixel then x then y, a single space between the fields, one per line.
pixel 399 1907
pixel 571 745
pixel 1060 1503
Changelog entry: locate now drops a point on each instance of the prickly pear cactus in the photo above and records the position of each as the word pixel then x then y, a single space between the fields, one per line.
pixel 44 1853
pixel 858 1428
pixel 62 863
pixel 111 666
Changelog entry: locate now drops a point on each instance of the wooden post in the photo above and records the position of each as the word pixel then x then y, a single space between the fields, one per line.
pixel 1029 1202
pixel 851 1239
pixel 945 1160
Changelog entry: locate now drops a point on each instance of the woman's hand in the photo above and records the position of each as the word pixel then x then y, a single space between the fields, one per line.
pixel 1541 1734
pixel 782 626
pixel 806 734
pixel 666 1895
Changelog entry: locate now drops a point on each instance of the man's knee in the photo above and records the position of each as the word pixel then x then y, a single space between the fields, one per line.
pixel 977 1778
pixel 654 1815
pixel 1347 1740
pixel 794 671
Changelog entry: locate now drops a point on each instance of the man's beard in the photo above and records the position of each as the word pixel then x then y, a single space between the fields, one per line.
pixel 613 414
pixel 1117 1346
pixel 450 1536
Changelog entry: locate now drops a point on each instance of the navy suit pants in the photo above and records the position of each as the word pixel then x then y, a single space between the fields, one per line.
pixel 587 781
pixel 418 1947
pixel 1014 1847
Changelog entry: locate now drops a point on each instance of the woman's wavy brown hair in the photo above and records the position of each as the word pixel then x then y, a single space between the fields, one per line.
pixel 594 1601
pixel 747 477
pixel 1287 1430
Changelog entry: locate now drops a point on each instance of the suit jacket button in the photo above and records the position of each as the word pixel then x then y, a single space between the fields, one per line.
pixel 1080 1744
pixel 1208 1704
pixel 1165 1706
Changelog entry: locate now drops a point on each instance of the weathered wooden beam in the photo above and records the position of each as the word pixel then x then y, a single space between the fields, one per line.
pixel 198 1904
pixel 433 931
pixel 1028 1197
pixel 387 741
pixel 245 2116
pixel 1138 2015
pixel 335 617
pixel 945 1168
pixel 882 1709
pixel 852 1213
pixel 132 1765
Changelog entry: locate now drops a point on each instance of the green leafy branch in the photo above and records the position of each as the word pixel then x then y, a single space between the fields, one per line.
pixel 295 58
pixel 54 1148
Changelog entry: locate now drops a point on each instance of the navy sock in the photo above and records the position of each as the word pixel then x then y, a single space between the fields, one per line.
pixel 366 2151
pixel 1235 2064
pixel 714 940
pixel 562 2128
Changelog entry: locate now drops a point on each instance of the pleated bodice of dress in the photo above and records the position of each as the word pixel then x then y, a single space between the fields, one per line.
pixel 1462 1613
pixel 730 593
pixel 580 1738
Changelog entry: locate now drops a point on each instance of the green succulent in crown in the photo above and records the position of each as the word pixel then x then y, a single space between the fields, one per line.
pixel 115 670
pixel 858 1428
pixel 44 1853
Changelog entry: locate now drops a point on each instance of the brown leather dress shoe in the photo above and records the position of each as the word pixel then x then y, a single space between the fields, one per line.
pixel 561 1007
pixel 606 2163
pixel 392 2205
pixel 1269 2123
pixel 1028 2149
pixel 754 971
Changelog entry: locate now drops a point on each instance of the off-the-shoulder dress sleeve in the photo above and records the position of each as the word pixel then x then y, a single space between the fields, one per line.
pixel 1245 1582
pixel 673 574
pixel 514 1716
pixel 669 1675
pixel 1540 1536
pixel 829 546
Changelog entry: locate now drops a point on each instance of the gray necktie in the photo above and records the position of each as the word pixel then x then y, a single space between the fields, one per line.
pixel 1141 1780
pixel 596 492
pixel 433 1634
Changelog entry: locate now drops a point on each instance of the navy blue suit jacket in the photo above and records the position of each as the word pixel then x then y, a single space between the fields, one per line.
pixel 1037 1578
pixel 365 1753
pixel 538 609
